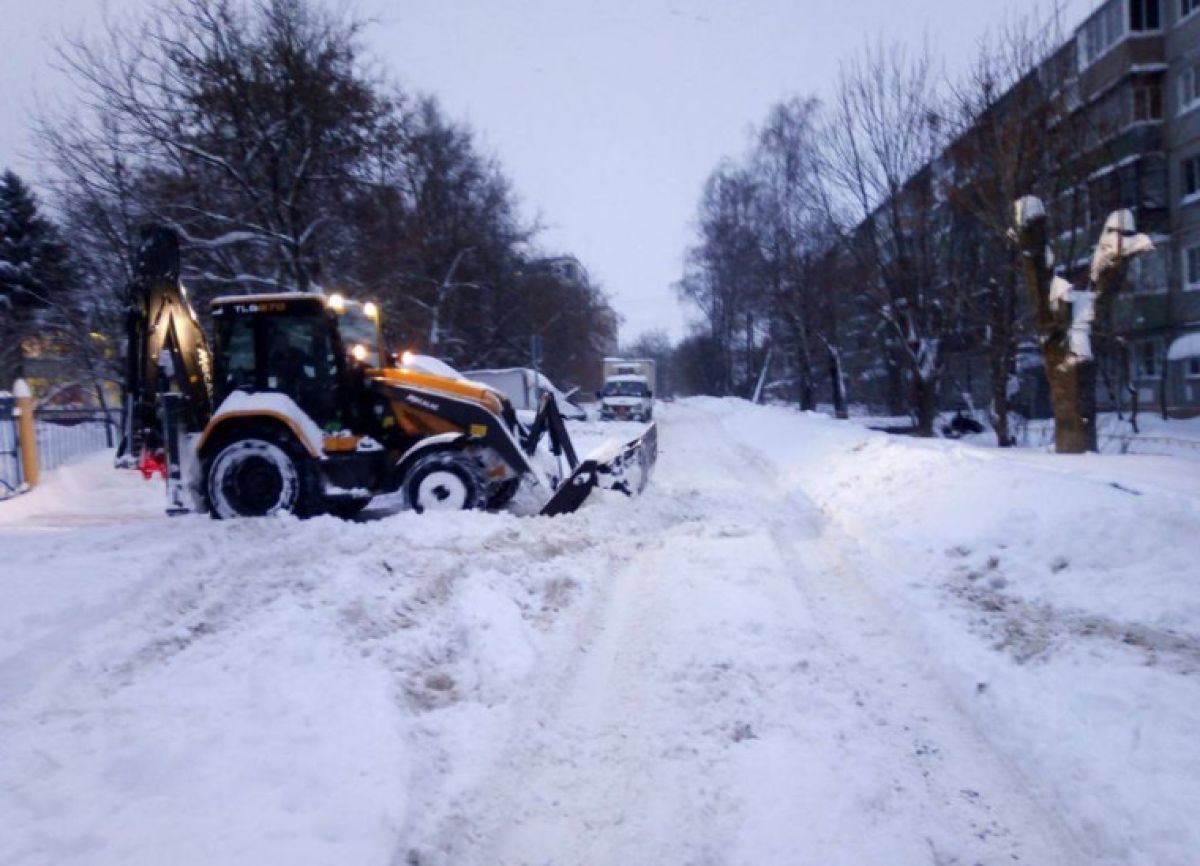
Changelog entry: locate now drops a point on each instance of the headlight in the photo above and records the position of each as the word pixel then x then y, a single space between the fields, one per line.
pixel 337 303
pixel 406 359
pixel 370 310
pixel 359 352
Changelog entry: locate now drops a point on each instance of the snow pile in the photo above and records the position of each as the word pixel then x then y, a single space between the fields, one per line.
pixel 1059 596
pixel 256 691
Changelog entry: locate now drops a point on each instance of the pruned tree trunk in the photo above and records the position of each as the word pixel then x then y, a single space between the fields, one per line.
pixel 1063 315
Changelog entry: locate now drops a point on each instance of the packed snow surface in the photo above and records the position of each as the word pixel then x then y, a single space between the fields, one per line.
pixel 807 643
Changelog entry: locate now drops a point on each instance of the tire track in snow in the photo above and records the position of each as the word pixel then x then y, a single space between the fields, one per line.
pixel 737 695
pixel 963 780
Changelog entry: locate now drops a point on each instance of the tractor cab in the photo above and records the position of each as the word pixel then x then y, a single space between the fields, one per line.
pixel 309 347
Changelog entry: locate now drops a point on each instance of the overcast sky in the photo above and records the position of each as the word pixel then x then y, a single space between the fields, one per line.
pixel 607 115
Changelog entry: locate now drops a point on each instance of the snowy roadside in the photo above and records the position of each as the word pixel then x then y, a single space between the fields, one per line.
pixel 1058 596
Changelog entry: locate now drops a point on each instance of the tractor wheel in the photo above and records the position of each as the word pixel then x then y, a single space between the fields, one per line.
pixel 260 476
pixel 446 480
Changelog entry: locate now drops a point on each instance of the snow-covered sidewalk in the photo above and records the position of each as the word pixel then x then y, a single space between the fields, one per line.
pixel 806 644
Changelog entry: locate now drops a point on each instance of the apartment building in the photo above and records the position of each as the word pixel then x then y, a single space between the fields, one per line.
pixel 1127 83
pixel 1137 78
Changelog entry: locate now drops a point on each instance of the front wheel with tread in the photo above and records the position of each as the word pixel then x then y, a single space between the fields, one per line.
pixel 257 476
pixel 446 480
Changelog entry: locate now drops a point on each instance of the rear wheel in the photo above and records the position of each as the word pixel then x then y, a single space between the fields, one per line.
pixel 259 477
pixel 446 480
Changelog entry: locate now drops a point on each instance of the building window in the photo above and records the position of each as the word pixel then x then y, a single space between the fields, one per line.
pixel 1187 7
pixel 1191 176
pixel 1148 101
pixel 1191 268
pixel 1189 87
pixel 1143 15
pixel 1101 32
pixel 1152 180
pixel 1147 360
pixel 1148 272
pixel 1193 367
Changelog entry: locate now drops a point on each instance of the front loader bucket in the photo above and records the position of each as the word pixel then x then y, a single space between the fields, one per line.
pixel 613 466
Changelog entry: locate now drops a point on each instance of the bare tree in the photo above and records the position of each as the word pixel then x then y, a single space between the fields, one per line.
pixel 884 133
pixel 1013 133
pixel 246 125
pixel 258 130
pixel 724 277
pixel 798 239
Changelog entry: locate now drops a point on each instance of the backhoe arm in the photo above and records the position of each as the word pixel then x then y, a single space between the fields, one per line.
pixel 160 319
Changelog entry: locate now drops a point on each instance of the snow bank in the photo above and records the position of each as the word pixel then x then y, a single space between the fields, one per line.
pixel 1059 595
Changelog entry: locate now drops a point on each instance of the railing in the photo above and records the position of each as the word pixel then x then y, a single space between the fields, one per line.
pixel 64 435
pixel 1168 446
pixel 10 458
pixel 1041 435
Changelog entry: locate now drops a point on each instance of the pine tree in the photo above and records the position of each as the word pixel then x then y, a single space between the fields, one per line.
pixel 33 271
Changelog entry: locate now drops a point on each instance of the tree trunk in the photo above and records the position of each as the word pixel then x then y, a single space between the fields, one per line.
pixel 894 385
pixel 808 398
pixel 1003 370
pixel 838 383
pixel 925 403
pixel 1000 405
pixel 1073 395
pixel 807 387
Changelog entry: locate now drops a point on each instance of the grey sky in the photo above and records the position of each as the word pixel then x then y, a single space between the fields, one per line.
pixel 607 115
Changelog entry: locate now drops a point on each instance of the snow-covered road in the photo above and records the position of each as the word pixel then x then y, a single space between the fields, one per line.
pixel 737 696
pixel 781 654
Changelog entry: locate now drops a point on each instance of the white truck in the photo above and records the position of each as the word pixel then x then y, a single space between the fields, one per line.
pixel 629 386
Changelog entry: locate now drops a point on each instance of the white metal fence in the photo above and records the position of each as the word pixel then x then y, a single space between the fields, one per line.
pixel 65 437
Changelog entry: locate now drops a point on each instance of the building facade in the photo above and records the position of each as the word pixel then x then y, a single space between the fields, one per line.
pixel 1138 73
pixel 1127 84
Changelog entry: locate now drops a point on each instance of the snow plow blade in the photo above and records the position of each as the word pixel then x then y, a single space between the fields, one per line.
pixel 624 467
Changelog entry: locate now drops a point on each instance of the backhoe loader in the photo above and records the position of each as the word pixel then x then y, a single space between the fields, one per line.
pixel 299 409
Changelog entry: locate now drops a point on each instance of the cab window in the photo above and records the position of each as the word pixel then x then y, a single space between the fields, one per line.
pixel 300 362
pixel 236 339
